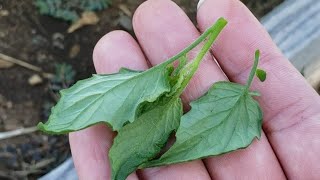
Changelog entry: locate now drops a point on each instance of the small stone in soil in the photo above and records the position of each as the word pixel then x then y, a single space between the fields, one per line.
pixel 35 80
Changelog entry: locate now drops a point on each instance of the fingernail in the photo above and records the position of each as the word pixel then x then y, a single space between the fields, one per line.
pixel 200 3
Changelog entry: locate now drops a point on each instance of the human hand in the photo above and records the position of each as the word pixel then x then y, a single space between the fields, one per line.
pixel 290 144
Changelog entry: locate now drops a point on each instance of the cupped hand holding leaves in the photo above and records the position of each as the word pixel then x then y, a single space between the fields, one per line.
pixel 289 144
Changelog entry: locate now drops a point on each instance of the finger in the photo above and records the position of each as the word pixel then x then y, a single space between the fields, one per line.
pixel 166 31
pixel 90 146
pixel 291 107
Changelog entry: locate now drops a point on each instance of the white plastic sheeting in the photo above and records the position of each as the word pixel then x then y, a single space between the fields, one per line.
pixel 293 26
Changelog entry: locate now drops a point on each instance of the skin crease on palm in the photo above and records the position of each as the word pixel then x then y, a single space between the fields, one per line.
pixel 290 144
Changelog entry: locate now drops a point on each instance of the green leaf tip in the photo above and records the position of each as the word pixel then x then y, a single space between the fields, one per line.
pixel 257 55
pixel 261 74
pixel 222 21
pixel 41 126
pixel 44 127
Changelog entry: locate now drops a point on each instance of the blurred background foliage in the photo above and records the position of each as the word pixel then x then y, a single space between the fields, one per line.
pixel 69 10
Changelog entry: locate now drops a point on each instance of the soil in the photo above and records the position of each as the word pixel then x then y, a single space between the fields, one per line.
pixel 44 42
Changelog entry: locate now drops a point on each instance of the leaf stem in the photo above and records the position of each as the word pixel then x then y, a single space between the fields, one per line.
pixel 190 69
pixel 254 68
pixel 214 30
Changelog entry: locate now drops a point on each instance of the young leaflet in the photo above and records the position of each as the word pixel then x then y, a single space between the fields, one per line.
pixel 145 108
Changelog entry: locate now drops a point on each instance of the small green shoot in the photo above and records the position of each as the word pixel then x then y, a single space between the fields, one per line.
pixel 261 74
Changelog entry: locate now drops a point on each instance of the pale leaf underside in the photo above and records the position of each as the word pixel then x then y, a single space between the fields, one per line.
pixel 225 119
pixel 113 99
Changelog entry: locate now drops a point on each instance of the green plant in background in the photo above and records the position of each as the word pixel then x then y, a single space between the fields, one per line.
pixel 63 78
pixel 145 108
pixel 69 10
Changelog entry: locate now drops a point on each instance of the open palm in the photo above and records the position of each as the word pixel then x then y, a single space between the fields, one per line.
pixel 290 144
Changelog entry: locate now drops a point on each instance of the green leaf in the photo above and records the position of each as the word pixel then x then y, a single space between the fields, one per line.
pixel 225 119
pixel 143 139
pixel 113 99
pixel 261 74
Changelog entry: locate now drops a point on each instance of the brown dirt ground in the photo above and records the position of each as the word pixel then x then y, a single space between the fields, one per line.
pixel 29 36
